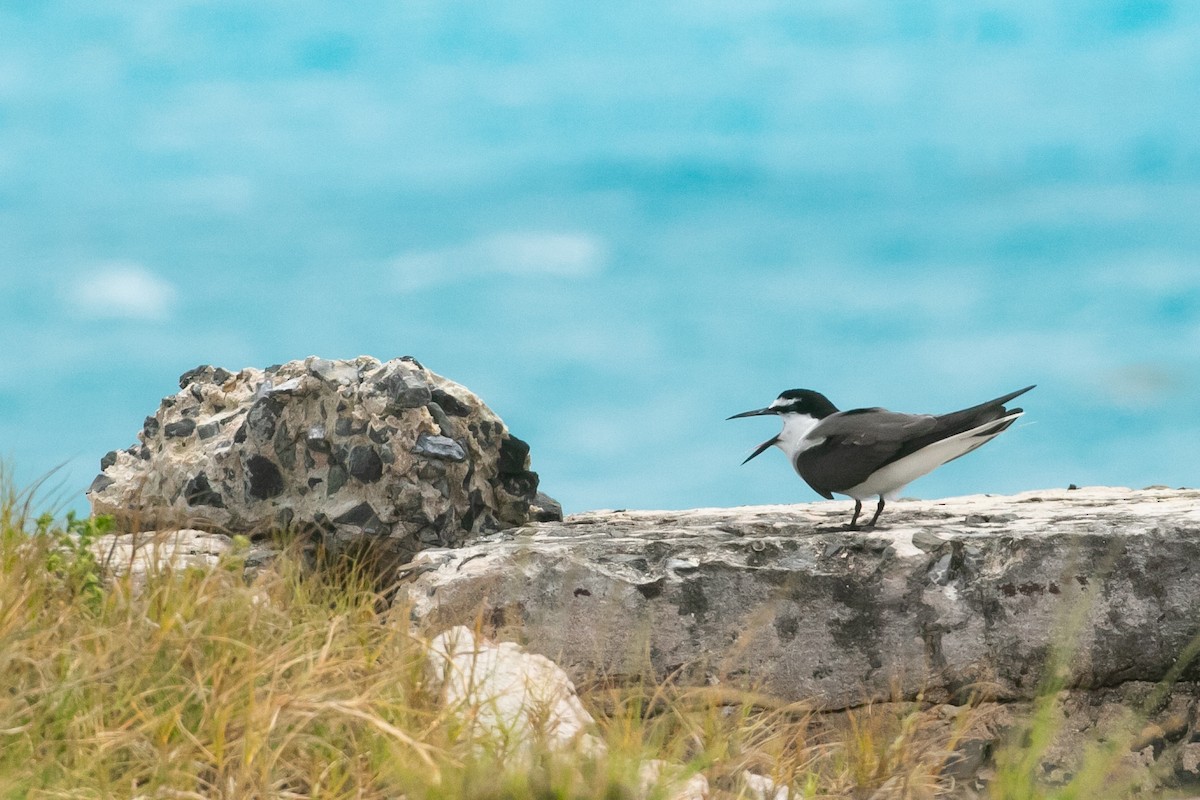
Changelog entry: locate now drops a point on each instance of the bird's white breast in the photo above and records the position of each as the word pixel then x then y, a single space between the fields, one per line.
pixel 794 438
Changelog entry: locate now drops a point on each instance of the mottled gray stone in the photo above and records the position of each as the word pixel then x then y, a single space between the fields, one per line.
pixel 441 418
pixel 208 429
pixel 100 483
pixel 936 601
pixel 302 444
pixel 439 447
pixel 290 386
pixel 341 373
pixel 545 508
pixel 401 385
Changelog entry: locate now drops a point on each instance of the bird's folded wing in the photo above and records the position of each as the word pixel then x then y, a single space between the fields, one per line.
pixel 856 444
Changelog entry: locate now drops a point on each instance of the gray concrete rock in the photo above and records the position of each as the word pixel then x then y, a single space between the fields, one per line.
pixel 381 454
pixel 945 597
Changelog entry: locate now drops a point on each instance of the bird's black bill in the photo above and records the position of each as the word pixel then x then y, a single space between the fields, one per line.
pixel 756 413
pixel 762 447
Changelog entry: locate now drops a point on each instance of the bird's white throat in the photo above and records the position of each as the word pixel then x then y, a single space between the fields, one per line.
pixel 793 439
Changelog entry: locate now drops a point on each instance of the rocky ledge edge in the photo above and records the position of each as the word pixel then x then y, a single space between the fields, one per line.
pixel 947 596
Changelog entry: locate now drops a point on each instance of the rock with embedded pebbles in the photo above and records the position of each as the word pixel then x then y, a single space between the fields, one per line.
pixel 386 454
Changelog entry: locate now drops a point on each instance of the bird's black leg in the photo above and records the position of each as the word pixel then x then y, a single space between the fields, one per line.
pixel 853 526
pixel 878 511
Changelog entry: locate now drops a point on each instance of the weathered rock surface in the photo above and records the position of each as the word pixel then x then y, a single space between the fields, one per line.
pixel 386 454
pixel 945 597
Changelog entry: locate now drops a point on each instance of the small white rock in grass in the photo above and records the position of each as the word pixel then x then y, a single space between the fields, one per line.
pixel 658 773
pixel 511 703
pixel 510 699
pixel 760 787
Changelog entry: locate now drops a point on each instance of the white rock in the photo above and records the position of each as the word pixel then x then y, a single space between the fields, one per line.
pixel 514 704
pixel 760 787
pixel 513 701
pixel 140 553
pixel 656 773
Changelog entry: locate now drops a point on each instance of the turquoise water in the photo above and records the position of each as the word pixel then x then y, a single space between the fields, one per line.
pixel 618 223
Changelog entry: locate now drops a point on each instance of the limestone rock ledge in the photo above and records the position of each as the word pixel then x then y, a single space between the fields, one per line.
pixel 945 596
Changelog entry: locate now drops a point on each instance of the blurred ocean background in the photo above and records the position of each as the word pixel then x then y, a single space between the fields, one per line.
pixel 617 222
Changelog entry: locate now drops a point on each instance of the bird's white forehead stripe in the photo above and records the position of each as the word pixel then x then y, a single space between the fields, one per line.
pixel 779 402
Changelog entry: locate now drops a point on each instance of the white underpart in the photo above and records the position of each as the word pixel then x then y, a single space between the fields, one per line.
pixel 793 439
pixel 888 482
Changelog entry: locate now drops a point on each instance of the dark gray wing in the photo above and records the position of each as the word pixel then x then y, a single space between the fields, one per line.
pixel 861 441
pixel 856 443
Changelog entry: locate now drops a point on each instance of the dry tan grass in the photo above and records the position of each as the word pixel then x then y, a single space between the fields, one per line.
pixel 199 684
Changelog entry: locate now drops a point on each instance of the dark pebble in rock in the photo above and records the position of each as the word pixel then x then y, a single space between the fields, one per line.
pixel 402 390
pixel 109 459
pixel 441 418
pixel 221 376
pixel 193 375
pixel 379 435
pixel 358 515
pixel 346 426
pixel 439 447
pixel 261 418
pixel 284 446
pixel 284 517
pixel 208 430
pixel 473 510
pixel 520 483
pixel 101 483
pixel 431 470
pixel 199 492
pixel 548 509
pixel 337 479
pixel 180 429
pixel 263 479
pixel 514 454
pixel 151 426
pixel 364 464
pixel 449 403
